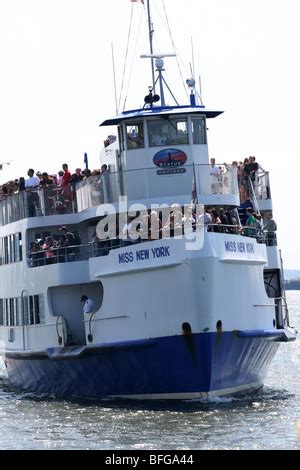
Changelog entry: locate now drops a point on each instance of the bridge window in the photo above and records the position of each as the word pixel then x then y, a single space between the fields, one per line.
pixel 168 132
pixel 199 131
pixel 135 135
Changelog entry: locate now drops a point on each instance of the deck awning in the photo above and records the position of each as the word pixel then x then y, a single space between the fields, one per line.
pixel 158 111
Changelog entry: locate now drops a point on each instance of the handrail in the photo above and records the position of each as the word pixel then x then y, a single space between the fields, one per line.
pixel 96 190
pixel 253 195
pixel 287 316
pixel 90 336
pixel 286 319
pixel 103 247
pixel 61 339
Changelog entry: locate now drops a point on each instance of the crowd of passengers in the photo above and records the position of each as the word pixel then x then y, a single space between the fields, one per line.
pixel 247 169
pixel 63 179
pixel 65 246
pixel 55 248
pixel 60 197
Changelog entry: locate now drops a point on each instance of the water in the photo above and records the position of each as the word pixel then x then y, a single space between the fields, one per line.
pixel 267 420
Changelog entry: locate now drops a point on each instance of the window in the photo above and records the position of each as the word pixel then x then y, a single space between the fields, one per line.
pixel 171 131
pixel 12 310
pixel 25 307
pixel 6 311
pixel 11 249
pixel 135 135
pixel 36 310
pixel 17 311
pixel 41 308
pixel 31 310
pixel 1 312
pixel 199 130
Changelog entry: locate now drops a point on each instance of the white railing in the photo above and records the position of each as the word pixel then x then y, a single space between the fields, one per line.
pixel 142 184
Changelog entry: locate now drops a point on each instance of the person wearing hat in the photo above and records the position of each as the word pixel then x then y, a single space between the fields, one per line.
pixel 88 306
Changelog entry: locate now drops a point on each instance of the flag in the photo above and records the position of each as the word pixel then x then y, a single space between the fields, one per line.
pixel 137 1
pixel 85 159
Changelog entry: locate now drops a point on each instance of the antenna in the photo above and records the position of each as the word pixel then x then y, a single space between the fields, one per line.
pixel 193 60
pixel 200 91
pixel 151 31
pixel 159 62
pixel 114 75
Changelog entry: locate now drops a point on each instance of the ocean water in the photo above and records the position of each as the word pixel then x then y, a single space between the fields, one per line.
pixel 268 420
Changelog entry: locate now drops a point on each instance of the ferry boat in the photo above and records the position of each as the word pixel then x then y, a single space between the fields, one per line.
pixel 189 310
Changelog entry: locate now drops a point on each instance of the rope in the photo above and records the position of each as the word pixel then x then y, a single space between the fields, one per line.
pixel 132 62
pixel 126 55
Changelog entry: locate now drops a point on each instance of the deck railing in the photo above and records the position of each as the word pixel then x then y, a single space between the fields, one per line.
pixel 100 248
pixel 143 184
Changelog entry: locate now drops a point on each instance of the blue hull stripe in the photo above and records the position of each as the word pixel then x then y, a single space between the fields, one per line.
pixel 199 363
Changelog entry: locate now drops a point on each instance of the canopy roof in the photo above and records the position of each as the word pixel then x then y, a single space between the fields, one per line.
pixel 160 111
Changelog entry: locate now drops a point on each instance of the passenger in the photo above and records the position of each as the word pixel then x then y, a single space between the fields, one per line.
pixel 79 175
pixel 45 180
pixel 62 248
pixel 47 247
pixel 259 228
pixel 155 226
pixel 270 227
pixel 188 220
pixel 88 306
pixel 250 230
pixel 21 184
pixel 224 220
pixel 207 221
pixel 60 177
pixel 246 202
pixel 145 227
pixel 126 233
pixel 215 220
pixel 215 176
pixel 54 179
pixel 35 255
pixel 32 184
pixel 103 184
pixel 66 178
pixel 173 226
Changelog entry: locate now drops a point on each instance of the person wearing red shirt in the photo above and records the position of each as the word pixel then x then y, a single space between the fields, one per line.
pixel 66 179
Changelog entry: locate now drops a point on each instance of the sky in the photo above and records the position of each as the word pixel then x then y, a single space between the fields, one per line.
pixel 57 83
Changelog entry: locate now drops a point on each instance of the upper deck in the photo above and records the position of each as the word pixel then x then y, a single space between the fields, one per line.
pixel 160 157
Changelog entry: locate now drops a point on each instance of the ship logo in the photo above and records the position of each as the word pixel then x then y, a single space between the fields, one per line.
pixel 169 158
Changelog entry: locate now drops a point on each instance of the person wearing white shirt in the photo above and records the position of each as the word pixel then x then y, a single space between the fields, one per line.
pixel 215 174
pixel 31 185
pixel 88 306
pixel 32 181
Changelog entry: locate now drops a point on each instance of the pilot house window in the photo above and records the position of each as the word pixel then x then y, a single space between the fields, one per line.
pixel 198 129
pixel 168 132
pixel 135 135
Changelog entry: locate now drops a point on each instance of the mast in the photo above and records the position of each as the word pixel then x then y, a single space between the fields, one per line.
pixel 151 31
